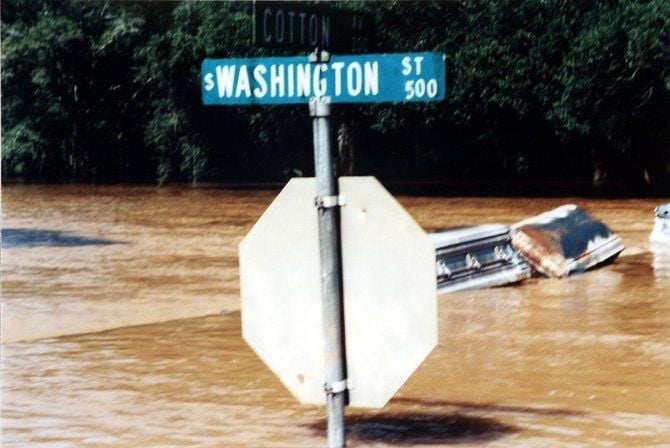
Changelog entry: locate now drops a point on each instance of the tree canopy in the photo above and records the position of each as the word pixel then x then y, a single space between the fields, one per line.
pixel 536 89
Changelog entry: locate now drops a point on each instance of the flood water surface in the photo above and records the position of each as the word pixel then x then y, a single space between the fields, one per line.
pixel 583 361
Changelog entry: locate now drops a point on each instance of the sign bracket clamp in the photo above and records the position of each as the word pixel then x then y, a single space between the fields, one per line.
pixel 321 202
pixel 319 56
pixel 337 387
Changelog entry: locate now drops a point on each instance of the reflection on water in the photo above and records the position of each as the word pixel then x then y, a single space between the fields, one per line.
pixel 583 361
pixel 661 264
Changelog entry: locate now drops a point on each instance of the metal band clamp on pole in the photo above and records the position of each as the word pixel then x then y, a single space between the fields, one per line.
pixel 330 201
pixel 338 386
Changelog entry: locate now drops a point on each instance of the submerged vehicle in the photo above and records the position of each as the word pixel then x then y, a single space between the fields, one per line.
pixel 661 231
pixel 476 257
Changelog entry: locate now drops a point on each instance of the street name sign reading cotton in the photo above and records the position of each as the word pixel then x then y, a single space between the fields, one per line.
pixel 301 27
pixel 372 78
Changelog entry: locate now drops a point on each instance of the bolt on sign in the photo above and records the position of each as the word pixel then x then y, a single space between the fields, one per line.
pixel 371 78
pixel 300 27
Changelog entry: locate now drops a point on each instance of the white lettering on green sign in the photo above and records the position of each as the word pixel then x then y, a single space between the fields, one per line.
pixel 371 78
pixel 294 80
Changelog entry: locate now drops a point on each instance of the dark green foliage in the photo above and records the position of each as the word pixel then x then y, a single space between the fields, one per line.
pixel 67 93
pixel 555 89
pixel 614 85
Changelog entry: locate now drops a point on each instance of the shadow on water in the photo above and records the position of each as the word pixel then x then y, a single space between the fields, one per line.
pixel 408 429
pixel 37 238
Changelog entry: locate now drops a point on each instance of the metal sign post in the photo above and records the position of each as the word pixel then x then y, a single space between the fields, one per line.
pixel 327 202
pixel 321 80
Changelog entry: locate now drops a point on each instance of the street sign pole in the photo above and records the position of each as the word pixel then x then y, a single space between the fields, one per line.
pixel 321 80
pixel 327 202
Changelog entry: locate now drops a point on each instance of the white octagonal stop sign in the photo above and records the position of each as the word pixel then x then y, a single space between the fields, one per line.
pixel 390 303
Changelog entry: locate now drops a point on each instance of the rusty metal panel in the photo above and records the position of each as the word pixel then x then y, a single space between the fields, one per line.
pixel 476 257
pixel 565 240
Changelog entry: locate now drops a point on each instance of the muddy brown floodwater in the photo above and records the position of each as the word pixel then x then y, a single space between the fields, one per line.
pixel 583 361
